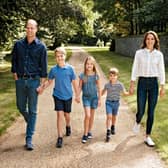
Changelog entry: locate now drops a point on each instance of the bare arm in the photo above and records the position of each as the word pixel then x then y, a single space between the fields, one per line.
pixel 15 76
pixel 162 91
pixel 126 93
pixel 80 86
pixel 44 85
pixel 76 89
pixel 99 92
pixel 103 92
pixel 132 87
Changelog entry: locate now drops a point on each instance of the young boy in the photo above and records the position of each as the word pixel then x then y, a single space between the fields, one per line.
pixel 113 88
pixel 64 76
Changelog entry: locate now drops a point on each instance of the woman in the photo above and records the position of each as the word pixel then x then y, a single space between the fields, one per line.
pixel 148 67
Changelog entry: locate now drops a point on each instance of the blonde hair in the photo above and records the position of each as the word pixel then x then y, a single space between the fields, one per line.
pixel 93 62
pixel 114 71
pixel 61 50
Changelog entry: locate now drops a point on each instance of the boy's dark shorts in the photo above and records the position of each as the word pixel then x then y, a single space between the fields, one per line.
pixel 62 105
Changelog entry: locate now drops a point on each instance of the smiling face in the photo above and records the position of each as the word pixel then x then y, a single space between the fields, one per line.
pixel 31 29
pixel 60 58
pixel 113 77
pixel 89 65
pixel 150 41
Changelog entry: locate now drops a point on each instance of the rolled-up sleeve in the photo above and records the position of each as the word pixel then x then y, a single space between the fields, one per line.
pixel 134 68
pixel 14 59
pixel 161 69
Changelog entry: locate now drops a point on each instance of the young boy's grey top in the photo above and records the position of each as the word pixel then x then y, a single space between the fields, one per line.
pixel 114 90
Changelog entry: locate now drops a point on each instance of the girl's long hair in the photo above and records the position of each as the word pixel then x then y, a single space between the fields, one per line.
pixel 93 62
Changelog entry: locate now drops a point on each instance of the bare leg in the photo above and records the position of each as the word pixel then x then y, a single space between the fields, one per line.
pixel 86 120
pixel 67 118
pixel 113 119
pixel 108 121
pixel 60 116
pixel 92 112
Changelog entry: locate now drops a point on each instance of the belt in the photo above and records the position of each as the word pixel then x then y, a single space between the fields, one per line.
pixel 27 76
pixel 148 78
pixel 113 101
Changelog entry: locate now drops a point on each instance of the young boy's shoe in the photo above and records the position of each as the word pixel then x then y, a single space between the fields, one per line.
pixel 113 129
pixel 84 139
pixel 68 130
pixel 136 128
pixel 108 136
pixel 89 135
pixel 59 142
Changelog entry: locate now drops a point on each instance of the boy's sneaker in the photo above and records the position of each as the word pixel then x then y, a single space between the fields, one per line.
pixel 89 135
pixel 59 142
pixel 108 136
pixel 136 128
pixel 113 129
pixel 84 139
pixel 68 130
pixel 149 142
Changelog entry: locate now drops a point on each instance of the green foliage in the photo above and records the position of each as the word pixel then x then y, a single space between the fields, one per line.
pixel 8 110
pixel 58 20
pixel 133 17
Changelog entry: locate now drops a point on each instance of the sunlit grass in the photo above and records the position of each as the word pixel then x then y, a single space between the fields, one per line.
pixel 8 110
pixel 108 59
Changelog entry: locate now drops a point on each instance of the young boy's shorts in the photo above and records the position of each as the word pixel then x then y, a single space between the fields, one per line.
pixel 62 105
pixel 91 102
pixel 112 107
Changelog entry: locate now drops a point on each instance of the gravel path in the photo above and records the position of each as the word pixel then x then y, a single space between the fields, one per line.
pixel 125 150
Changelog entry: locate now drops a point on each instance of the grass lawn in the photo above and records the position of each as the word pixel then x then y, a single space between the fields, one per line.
pixel 108 59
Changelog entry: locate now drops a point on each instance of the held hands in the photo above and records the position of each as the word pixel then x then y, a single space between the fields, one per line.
pixel 131 89
pixel 40 89
pixel 77 99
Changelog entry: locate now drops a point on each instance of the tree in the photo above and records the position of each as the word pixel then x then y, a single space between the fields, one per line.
pixel 58 20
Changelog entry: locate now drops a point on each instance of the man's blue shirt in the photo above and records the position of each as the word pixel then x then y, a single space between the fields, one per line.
pixel 63 81
pixel 29 59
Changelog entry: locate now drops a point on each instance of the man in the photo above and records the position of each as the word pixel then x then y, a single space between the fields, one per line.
pixel 29 65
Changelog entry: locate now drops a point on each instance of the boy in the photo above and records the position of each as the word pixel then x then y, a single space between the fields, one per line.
pixel 65 77
pixel 113 88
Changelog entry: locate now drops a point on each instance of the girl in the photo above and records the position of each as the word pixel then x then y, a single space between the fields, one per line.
pixel 90 85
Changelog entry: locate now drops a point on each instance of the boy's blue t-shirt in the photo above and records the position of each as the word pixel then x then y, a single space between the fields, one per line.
pixel 63 81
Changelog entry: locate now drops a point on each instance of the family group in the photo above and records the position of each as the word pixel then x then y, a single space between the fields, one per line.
pixel 29 67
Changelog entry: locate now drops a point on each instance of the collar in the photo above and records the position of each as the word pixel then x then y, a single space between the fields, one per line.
pixel 148 51
pixel 34 41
